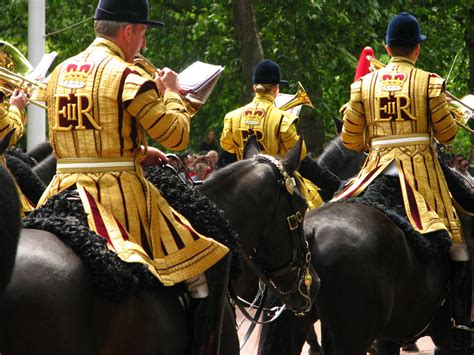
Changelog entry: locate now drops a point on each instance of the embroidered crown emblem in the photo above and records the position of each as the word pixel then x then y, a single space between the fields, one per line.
pixel 393 81
pixel 75 76
pixel 253 116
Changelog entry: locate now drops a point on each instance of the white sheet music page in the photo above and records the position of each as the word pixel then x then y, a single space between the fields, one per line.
pixel 40 71
pixel 197 75
pixel 198 80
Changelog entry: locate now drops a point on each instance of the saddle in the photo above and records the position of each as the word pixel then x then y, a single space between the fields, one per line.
pixel 385 195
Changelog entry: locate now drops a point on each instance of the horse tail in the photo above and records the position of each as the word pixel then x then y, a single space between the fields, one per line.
pixel 46 168
pixel 10 226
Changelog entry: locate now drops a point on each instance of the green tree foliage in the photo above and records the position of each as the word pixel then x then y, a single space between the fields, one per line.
pixel 317 42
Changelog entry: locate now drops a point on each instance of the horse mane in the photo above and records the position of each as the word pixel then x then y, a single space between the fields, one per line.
pixel 340 160
pixel 202 213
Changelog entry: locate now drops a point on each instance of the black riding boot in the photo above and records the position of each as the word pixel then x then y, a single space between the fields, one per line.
pixel 461 284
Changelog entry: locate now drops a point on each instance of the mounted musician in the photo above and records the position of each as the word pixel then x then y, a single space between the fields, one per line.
pixel 100 108
pixel 396 113
pixel 275 130
pixel 12 109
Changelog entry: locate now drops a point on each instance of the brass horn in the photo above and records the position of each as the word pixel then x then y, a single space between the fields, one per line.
pixel 461 111
pixel 192 106
pixel 300 98
pixel 13 70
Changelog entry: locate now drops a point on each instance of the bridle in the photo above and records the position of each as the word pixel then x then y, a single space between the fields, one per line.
pixel 300 255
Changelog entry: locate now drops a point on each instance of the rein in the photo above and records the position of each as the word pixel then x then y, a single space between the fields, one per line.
pixel 300 256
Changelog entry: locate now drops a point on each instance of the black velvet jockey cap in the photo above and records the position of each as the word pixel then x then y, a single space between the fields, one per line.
pixel 267 72
pixel 130 11
pixel 404 31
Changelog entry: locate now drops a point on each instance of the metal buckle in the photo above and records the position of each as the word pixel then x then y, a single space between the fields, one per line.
pixel 292 222
pixel 299 217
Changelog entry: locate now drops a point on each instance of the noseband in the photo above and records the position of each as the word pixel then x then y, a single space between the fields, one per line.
pixel 300 255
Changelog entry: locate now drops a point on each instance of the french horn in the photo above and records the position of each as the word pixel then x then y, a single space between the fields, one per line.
pixel 300 98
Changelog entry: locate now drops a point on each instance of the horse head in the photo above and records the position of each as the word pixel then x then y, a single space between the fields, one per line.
pixel 266 208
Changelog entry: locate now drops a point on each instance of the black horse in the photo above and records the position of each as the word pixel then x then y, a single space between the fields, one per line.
pixel 374 285
pixel 51 306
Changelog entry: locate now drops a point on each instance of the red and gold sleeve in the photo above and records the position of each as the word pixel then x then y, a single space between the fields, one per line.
pixel 11 117
pixel 354 121
pixel 163 117
pixel 443 122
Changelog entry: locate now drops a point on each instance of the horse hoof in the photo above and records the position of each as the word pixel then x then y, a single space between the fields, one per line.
pixel 411 348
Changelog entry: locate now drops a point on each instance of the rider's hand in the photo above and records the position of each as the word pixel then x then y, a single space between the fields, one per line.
pixel 154 156
pixel 167 80
pixel 19 99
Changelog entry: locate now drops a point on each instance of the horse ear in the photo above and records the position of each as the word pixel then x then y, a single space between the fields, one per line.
pixel 251 148
pixel 291 162
pixel 5 142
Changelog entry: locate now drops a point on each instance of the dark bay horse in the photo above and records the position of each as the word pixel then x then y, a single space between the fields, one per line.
pixel 50 306
pixel 373 284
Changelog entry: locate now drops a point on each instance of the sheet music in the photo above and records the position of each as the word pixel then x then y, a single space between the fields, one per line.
pixel 40 71
pixel 198 74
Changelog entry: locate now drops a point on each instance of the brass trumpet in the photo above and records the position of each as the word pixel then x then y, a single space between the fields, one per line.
pixel 300 98
pixel 461 114
pixel 192 106
pixel 13 70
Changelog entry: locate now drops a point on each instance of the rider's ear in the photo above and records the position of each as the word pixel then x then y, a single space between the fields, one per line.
pixel 251 148
pixel 291 162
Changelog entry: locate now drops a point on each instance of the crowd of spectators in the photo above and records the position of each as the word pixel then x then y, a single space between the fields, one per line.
pixel 194 167
pixel 461 165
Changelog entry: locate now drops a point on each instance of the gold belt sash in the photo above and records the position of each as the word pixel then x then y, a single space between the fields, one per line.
pixel 94 165
pixel 401 140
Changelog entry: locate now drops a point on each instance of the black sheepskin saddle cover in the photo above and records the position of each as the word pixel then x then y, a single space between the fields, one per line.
pixel 385 195
pixel 20 165
pixel 63 215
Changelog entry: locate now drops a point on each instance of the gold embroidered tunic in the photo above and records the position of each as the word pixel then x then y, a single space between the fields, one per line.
pixel 13 118
pixel 395 113
pixel 99 108
pixel 275 131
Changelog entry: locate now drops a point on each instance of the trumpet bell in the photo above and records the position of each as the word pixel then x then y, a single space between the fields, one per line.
pixel 300 98
pixel 13 70
pixel 13 60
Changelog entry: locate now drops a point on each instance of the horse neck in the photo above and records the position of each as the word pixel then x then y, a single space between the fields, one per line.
pixel 339 160
pixel 241 194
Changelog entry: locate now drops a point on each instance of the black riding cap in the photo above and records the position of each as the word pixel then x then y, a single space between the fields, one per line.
pixel 267 72
pixel 404 31
pixel 130 11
